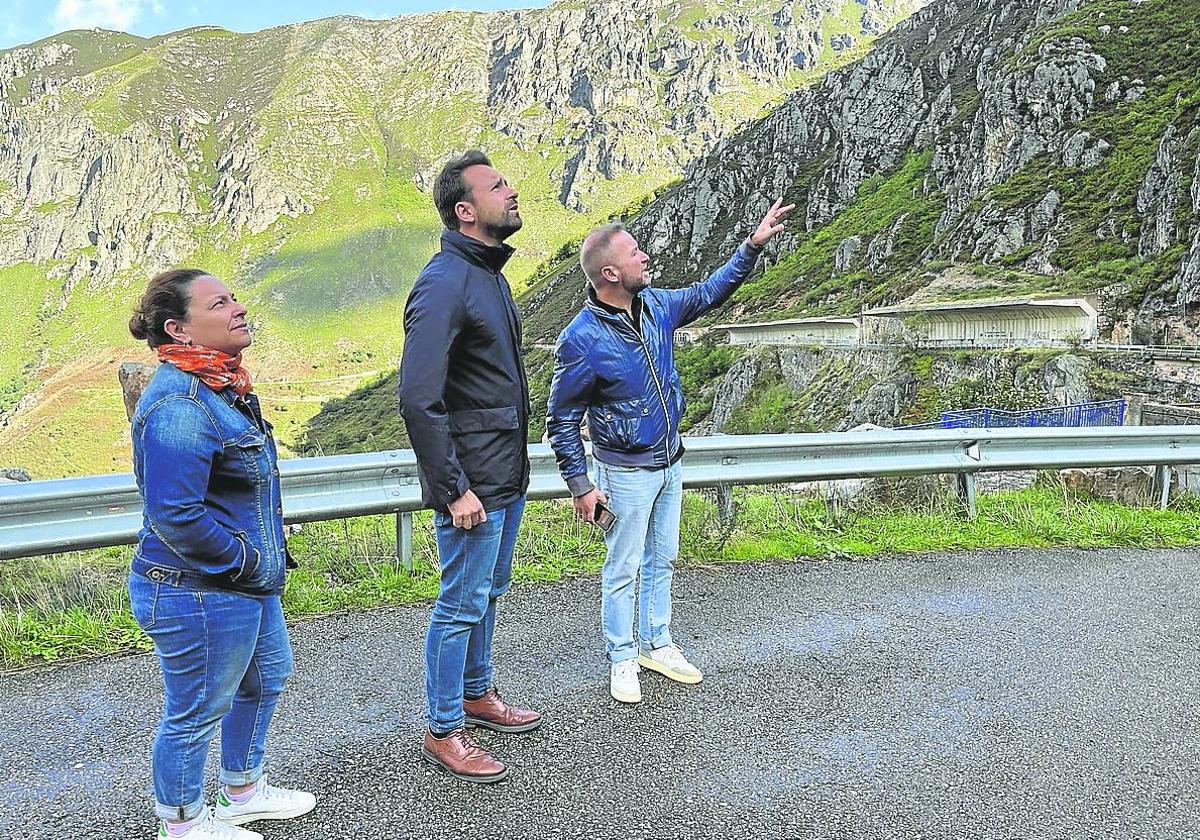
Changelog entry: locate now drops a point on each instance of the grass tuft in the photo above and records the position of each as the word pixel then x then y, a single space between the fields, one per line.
pixel 72 605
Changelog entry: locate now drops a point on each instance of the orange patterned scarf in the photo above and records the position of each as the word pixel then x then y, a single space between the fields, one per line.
pixel 216 369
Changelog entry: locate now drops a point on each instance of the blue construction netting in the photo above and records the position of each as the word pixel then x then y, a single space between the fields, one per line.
pixel 1107 413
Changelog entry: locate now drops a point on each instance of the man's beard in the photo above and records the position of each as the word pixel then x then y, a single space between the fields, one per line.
pixel 503 227
pixel 635 284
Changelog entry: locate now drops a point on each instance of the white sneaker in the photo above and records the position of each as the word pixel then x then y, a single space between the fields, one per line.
pixel 267 803
pixel 671 663
pixel 207 829
pixel 623 682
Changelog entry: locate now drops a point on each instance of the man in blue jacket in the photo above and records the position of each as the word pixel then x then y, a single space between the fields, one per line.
pixel 465 401
pixel 615 362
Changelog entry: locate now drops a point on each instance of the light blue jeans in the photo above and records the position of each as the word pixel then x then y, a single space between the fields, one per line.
pixel 476 570
pixel 225 658
pixel 645 540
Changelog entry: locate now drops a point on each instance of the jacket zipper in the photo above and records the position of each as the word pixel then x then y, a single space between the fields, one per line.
pixel 657 386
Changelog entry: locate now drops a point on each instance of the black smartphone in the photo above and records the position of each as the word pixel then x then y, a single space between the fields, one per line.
pixel 604 517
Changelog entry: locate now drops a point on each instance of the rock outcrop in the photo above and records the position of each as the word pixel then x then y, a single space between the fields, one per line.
pixel 121 156
pixel 1004 119
pixel 137 152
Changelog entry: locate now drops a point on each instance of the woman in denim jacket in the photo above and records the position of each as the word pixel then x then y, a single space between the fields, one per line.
pixel 209 567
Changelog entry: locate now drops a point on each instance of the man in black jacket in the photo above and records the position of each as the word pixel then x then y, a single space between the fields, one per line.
pixel 465 401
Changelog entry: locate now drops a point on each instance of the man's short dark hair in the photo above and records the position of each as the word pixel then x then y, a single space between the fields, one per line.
pixel 450 188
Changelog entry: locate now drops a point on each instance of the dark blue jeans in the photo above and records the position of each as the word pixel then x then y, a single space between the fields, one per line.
pixel 476 570
pixel 225 658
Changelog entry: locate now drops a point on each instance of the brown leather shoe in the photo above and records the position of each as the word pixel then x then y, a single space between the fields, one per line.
pixel 462 758
pixel 491 712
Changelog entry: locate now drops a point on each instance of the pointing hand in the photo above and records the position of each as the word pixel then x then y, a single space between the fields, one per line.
pixel 772 223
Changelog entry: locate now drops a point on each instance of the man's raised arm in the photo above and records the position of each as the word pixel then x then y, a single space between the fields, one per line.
pixel 688 304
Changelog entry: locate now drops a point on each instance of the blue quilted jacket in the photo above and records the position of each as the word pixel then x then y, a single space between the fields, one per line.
pixel 626 382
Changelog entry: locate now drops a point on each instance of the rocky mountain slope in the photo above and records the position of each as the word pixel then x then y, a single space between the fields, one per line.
pixel 1040 145
pixel 297 161
pixel 985 148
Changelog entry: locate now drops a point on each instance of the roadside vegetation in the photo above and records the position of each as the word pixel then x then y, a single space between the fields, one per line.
pixel 73 605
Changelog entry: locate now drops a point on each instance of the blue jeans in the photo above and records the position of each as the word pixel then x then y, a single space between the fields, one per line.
pixel 645 539
pixel 226 658
pixel 476 570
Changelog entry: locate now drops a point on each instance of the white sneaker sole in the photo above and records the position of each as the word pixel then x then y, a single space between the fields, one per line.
pixel 247 833
pixel 634 696
pixel 623 697
pixel 242 819
pixel 669 673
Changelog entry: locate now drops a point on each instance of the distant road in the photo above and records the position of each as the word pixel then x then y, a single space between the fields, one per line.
pixel 1031 694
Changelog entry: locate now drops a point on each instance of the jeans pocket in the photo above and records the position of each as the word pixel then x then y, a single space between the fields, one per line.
pixel 252 447
pixel 607 473
pixel 143 601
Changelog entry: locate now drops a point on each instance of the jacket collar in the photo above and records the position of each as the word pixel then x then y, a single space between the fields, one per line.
pixel 491 257
pixel 611 313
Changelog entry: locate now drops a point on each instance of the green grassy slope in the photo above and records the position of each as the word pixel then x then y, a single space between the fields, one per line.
pixel 326 287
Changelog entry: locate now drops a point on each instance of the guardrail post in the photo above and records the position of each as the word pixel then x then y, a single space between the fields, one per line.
pixel 404 540
pixel 726 509
pixel 965 490
pixel 1162 485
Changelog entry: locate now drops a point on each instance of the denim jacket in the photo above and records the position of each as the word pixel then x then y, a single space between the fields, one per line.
pixel 624 378
pixel 209 479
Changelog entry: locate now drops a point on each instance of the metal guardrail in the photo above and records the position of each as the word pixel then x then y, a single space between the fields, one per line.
pixel 1151 351
pixel 71 514
pixel 1154 351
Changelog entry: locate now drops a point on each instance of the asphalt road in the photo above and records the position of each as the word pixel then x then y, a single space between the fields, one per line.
pixel 1004 694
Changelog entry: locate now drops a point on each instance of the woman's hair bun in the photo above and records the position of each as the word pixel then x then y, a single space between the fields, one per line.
pixel 166 298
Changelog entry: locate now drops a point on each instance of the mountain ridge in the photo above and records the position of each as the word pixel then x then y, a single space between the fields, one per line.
pixel 296 162
pixel 982 149
pixel 1038 162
